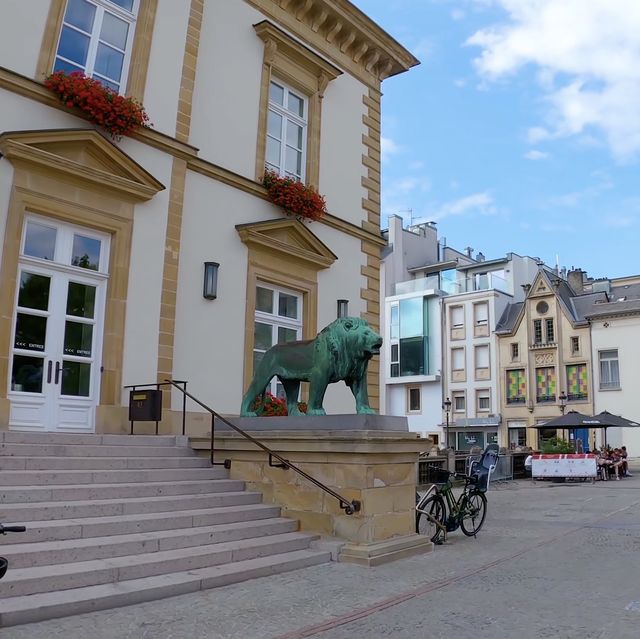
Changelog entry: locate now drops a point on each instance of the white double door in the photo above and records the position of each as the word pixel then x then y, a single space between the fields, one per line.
pixel 55 358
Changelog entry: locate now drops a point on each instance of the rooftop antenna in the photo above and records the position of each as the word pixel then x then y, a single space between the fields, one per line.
pixel 410 212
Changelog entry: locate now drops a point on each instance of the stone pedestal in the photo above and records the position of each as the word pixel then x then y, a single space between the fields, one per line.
pixel 376 467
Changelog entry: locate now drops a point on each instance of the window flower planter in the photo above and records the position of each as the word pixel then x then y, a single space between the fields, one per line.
pixel 298 200
pixel 117 115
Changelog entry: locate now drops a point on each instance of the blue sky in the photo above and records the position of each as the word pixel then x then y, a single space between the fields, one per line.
pixel 520 130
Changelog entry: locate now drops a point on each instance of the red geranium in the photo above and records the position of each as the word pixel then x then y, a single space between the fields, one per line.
pixel 294 197
pixel 113 112
pixel 272 406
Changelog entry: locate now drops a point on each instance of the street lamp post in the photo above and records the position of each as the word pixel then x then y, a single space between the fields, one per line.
pixel 447 407
pixel 563 401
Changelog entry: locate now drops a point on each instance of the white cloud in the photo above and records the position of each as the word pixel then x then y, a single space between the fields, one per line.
pixel 423 49
pixel 458 14
pixel 460 83
pixel 619 221
pixel 388 147
pixel 534 154
pixel 478 203
pixel 538 134
pixel 587 57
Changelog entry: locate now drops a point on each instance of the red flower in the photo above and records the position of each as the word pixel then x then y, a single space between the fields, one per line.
pixel 271 406
pixel 294 197
pixel 116 114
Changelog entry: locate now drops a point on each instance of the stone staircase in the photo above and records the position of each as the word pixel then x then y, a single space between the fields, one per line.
pixel 114 520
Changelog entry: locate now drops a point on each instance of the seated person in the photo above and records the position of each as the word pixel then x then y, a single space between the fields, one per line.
pixel 625 463
pixel 615 462
pixel 602 463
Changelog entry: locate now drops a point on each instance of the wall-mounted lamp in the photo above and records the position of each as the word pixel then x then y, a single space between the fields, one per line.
pixel 210 288
pixel 343 308
pixel 563 401
pixel 530 406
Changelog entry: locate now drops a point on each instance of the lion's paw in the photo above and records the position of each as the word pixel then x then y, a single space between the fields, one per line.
pixel 366 410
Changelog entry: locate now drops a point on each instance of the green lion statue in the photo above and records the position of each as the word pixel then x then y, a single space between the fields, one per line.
pixel 341 351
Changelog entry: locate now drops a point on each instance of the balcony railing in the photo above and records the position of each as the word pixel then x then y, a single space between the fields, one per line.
pixel 520 399
pixel 544 399
pixel 484 282
pixel 573 396
pixel 536 345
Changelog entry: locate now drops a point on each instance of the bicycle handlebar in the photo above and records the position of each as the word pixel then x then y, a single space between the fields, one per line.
pixel 5 529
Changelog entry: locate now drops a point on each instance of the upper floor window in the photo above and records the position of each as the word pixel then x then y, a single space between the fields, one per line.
pixel 577 382
pixel 286 131
pixel 457 359
pixel 413 400
pixel 457 317
pixel 409 338
pixel 96 38
pixel 483 401
pixel 543 331
pixel 575 345
pixel 550 331
pixel 481 314
pixel 515 352
pixel 609 369
pixel 459 404
pixel 537 331
pixel 516 386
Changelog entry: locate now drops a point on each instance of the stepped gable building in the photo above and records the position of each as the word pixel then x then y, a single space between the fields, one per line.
pixel 105 242
pixel 545 359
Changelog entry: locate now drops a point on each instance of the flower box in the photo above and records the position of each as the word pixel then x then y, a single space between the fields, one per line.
pixel 297 199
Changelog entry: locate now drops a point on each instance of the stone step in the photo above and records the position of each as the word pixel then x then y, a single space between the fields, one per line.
pixel 16 437
pixel 97 450
pixel 43 511
pixel 30 494
pixel 30 608
pixel 59 530
pixel 16 478
pixel 86 450
pixel 28 581
pixel 9 463
pixel 27 555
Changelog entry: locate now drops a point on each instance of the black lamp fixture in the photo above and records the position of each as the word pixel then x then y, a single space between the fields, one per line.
pixel 530 406
pixel 562 398
pixel 210 288
pixel 343 308
pixel 447 408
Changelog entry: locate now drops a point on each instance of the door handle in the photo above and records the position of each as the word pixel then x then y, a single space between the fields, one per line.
pixel 58 369
pixel 49 365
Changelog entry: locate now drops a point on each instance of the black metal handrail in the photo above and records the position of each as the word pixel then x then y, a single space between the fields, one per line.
pixel 349 507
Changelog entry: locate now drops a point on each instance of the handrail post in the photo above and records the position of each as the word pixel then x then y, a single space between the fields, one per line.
pixel 158 388
pixel 131 433
pixel 184 409
pixel 213 428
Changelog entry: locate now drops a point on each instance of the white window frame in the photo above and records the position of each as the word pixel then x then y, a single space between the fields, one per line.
pixel 288 116
pixel 609 384
pixel 515 351
pixel 102 7
pixel 411 389
pixel 453 358
pixel 482 348
pixel 278 321
pixel 478 320
pixel 485 393
pixel 459 395
pixel 457 310
pixel 575 345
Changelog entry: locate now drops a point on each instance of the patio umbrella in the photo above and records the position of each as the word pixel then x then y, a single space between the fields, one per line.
pixel 570 421
pixel 608 420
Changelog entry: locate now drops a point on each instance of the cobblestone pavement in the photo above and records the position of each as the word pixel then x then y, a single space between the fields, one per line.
pixel 558 561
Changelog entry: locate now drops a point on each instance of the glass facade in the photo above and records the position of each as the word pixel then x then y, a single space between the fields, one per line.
pixel 409 337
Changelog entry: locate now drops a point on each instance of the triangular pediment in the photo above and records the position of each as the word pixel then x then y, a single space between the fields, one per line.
pixel 290 237
pixel 80 154
pixel 541 286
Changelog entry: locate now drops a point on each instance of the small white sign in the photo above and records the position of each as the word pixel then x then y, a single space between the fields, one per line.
pixel 564 466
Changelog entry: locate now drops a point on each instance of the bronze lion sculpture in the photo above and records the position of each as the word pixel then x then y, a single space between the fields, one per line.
pixel 341 351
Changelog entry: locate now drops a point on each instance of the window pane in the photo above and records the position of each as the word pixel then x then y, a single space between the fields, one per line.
pixel 274 125
pixel 395 322
pixel 293 162
pixel 412 356
pixel 262 336
pixel 30 332
pixel 114 31
pixel 273 151
pixel 294 135
pixel 78 338
pixel 411 317
pixel 40 241
pixel 288 306
pixel 125 4
pixel 81 300
pixel 86 252
pixel 286 335
pixel 110 85
pixel 34 291
pixel 80 14
pixel 276 93
pixel 394 352
pixel 264 300
pixel 73 45
pixel 26 374
pixel 395 370
pixel 61 65
pixel 296 104
pixel 414 399
pixel 76 377
pixel 109 62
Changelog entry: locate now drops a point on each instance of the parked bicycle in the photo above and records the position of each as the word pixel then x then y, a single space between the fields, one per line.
pixel 438 512
pixel 4 564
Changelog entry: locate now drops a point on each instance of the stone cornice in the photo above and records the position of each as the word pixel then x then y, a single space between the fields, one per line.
pixel 340 31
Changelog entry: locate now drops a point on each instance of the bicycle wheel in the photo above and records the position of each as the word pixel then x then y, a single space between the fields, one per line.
pixel 425 524
pixel 473 511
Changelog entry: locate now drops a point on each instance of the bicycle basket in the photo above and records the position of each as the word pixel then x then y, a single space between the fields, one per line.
pixel 438 475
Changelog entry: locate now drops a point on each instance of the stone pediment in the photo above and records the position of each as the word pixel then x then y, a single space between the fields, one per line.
pixel 80 155
pixel 288 236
